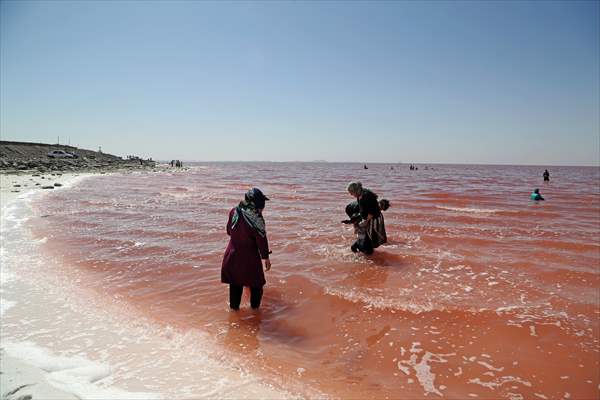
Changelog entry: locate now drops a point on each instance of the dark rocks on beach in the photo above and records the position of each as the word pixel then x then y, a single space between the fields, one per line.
pixel 57 184
pixel 16 185
pixel 47 187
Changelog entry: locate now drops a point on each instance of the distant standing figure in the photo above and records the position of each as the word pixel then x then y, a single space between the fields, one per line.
pixel 536 195
pixel 248 244
pixel 546 176
pixel 365 166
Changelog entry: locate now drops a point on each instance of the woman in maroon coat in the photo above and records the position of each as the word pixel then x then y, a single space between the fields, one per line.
pixel 248 244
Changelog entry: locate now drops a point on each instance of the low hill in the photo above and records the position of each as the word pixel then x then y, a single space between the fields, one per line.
pixel 19 156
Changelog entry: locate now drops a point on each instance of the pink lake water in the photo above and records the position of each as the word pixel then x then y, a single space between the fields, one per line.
pixel 479 293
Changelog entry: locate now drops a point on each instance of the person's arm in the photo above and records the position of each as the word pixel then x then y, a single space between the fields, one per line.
pixel 229 222
pixel 263 249
pixel 365 221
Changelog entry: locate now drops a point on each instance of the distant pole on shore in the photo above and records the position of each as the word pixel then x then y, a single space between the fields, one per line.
pixel 58 140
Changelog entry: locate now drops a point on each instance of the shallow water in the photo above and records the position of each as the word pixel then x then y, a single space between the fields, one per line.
pixel 479 292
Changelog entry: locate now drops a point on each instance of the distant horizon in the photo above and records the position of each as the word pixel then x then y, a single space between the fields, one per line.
pixel 417 163
pixel 455 82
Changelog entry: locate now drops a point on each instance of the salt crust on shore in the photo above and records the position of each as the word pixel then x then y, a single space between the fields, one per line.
pixel 21 377
pixel 73 377
pixel 28 369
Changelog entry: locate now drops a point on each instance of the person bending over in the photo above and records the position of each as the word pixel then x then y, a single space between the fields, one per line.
pixel 370 229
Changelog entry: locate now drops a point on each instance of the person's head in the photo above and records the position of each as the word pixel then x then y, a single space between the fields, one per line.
pixel 355 189
pixel 536 191
pixel 256 196
pixel 352 209
pixel 353 212
pixel 384 204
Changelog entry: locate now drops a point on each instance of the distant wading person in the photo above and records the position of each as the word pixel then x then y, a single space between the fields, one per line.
pixel 368 222
pixel 248 244
pixel 536 195
pixel 546 176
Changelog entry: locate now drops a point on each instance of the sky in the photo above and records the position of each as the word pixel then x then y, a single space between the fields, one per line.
pixel 507 82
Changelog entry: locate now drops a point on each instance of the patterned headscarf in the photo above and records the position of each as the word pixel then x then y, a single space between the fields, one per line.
pixel 248 210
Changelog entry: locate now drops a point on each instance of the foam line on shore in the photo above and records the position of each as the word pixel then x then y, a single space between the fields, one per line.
pixel 74 374
pixel 26 365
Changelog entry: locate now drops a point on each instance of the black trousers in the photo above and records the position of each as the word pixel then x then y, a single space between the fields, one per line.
pixel 235 296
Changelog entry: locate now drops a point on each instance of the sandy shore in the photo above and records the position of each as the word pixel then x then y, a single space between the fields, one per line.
pixel 18 379
pixel 21 381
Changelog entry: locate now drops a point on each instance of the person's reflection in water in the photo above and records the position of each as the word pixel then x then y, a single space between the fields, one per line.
pixel 243 330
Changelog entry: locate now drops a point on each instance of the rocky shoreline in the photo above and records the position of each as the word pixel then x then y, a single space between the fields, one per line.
pixel 31 158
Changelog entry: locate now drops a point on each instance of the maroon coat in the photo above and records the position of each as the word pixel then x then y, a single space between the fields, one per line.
pixel 242 263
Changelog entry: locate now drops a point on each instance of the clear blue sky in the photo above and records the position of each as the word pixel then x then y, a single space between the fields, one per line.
pixel 510 82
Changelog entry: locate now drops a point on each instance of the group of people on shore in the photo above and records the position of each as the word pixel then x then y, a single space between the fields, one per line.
pixel 176 163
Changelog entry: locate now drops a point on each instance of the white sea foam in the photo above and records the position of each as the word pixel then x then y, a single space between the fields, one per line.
pixel 380 301
pixel 72 374
pixel 5 305
pixel 500 381
pixel 469 210
pixel 422 368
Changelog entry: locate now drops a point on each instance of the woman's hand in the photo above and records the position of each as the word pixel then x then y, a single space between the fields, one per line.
pixel 267 264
